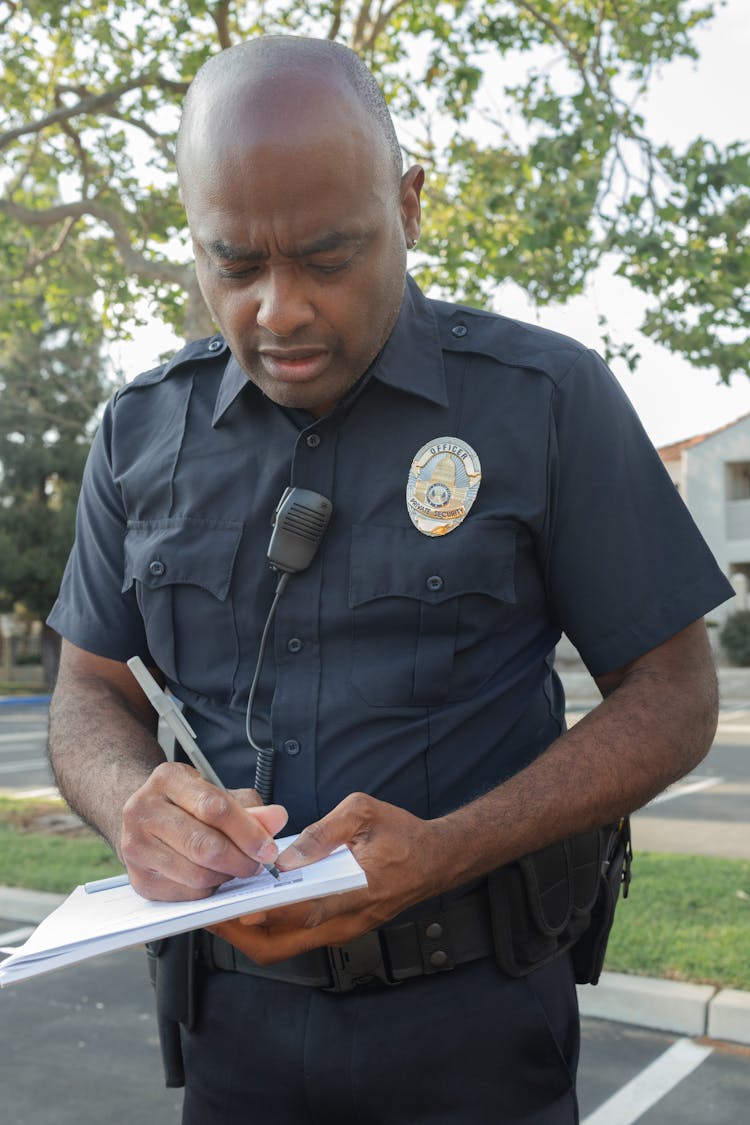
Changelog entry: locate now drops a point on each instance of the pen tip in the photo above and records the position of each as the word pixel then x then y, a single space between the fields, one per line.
pixel 272 869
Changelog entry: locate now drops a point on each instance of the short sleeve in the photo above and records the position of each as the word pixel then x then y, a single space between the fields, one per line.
pixel 625 565
pixel 91 610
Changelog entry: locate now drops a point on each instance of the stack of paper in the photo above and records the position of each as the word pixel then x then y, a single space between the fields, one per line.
pixel 93 921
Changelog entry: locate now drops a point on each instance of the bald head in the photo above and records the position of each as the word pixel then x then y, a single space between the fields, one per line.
pixel 300 217
pixel 282 81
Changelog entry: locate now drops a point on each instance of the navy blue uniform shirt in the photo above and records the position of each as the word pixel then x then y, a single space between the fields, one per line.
pixel 415 668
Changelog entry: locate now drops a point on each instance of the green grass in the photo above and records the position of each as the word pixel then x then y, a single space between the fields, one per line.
pixel 686 918
pixel 13 687
pixel 34 855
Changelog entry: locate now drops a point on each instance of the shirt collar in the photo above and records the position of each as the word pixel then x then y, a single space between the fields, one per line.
pixel 411 359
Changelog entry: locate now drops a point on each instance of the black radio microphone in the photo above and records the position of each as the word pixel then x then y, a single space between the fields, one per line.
pixel 299 524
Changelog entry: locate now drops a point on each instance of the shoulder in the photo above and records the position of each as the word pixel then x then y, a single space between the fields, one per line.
pixel 511 343
pixel 210 353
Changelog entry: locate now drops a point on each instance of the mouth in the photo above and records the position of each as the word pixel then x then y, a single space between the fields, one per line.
pixel 294 365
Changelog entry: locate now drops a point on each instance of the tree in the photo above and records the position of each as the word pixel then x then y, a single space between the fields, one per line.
pixel 51 383
pixel 560 172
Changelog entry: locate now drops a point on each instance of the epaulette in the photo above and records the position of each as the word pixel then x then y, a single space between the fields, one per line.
pixel 207 349
pixel 512 342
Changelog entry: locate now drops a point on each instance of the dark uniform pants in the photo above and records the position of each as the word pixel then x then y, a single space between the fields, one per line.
pixel 466 1047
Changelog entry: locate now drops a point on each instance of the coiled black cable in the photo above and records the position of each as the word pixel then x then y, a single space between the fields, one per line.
pixel 264 762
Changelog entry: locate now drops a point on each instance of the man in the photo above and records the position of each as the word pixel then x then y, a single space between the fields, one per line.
pixel 490 487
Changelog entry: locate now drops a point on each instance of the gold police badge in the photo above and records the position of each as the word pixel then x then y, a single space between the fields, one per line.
pixel 444 479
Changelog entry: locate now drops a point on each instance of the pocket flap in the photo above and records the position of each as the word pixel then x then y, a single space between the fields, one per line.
pixel 185 550
pixel 476 558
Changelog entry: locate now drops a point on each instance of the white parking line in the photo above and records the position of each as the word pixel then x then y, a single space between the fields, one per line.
pixel 23 736
pixel 651 1085
pixel 19 767
pixel 683 790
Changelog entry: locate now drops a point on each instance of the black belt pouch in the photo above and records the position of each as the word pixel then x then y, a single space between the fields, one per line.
pixel 559 898
pixel 171 966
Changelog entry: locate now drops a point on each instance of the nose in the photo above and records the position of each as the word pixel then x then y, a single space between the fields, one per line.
pixel 284 305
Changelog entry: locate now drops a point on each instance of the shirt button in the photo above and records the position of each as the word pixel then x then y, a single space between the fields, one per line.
pixel 214 346
pixel 434 931
pixel 435 583
pixel 459 330
pixel 294 645
pixel 313 440
pixel 157 568
pixel 292 747
pixel 438 958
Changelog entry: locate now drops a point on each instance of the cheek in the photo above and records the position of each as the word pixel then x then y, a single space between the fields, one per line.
pixel 232 310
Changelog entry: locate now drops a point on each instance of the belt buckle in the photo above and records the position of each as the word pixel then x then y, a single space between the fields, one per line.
pixel 358 962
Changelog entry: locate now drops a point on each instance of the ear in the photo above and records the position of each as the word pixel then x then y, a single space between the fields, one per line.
pixel 411 208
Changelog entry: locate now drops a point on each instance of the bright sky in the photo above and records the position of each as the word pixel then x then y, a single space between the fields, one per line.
pixel 708 98
pixel 674 400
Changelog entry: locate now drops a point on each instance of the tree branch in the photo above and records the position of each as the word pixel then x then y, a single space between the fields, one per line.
pixel 89 104
pixel 383 18
pixel 42 256
pixel 133 260
pixel 335 27
pixel 220 15
pixel 12 9
pixel 363 18
pixel 160 141
pixel 570 49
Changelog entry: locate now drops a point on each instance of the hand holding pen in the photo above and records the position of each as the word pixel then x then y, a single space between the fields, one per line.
pixel 168 710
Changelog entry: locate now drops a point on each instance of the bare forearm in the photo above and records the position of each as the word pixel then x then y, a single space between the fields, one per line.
pixel 654 727
pixel 101 750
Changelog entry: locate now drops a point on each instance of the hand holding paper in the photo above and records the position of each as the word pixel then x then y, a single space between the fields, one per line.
pixel 87 924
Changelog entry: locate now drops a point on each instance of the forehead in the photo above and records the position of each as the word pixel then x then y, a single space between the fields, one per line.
pixel 288 188
pixel 302 126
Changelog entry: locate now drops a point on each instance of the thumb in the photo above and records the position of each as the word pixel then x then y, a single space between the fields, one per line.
pixel 272 817
pixel 321 838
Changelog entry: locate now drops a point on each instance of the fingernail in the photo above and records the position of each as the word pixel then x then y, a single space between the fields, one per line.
pixel 268 853
pixel 290 858
pixel 253 919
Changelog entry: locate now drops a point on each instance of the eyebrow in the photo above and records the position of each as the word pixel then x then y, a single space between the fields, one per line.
pixel 229 252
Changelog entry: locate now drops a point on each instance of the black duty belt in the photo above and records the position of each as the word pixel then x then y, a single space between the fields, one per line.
pixel 443 939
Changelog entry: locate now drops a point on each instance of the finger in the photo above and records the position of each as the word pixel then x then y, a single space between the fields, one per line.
pixel 167 833
pixel 342 825
pixel 170 847
pixel 248 798
pixel 178 886
pixel 267 944
pixel 232 831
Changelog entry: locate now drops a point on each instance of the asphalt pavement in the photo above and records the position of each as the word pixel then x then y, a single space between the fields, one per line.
pixel 80 1047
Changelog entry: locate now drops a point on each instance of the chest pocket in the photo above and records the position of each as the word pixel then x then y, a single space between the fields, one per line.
pixel 182 571
pixel 428 614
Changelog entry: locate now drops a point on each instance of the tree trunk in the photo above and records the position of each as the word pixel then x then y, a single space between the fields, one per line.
pixel 198 321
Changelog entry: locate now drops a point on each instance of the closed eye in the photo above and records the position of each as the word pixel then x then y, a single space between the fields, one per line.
pixel 330 267
pixel 237 274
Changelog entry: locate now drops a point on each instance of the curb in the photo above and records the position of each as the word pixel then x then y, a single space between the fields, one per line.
pixel 663 1005
pixel 681 1008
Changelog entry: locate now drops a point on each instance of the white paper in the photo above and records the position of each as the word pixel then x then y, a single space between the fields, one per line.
pixel 86 925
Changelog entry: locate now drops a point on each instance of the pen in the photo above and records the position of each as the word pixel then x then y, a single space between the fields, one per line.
pixel 168 710
pixel 106 884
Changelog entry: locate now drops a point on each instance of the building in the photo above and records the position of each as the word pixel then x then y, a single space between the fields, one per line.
pixel 712 474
